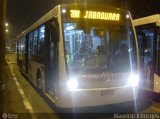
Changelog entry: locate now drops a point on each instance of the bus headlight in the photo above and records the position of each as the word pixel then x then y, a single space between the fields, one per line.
pixel 133 80
pixel 72 84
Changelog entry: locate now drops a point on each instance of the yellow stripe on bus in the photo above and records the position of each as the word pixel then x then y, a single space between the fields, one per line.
pixel 50 97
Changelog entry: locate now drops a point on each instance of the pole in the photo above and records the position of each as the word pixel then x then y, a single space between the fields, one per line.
pixel 2 46
pixel 1 37
pixel 4 33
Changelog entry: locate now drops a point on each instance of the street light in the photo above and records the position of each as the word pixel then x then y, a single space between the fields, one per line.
pixel 6 24
pixel 6 27
pixel 6 30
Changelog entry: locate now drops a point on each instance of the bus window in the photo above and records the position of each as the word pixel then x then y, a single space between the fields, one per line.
pixel 41 40
pixel 145 39
pixel 23 45
pixel 96 49
pixel 51 56
pixel 35 38
pixel 157 67
pixel 30 44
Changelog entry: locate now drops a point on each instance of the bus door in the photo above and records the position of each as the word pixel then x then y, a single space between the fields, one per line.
pixel 51 57
pixel 157 61
pixel 141 39
pixel 146 49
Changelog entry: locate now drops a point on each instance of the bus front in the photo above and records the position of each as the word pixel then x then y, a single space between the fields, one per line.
pixel 100 52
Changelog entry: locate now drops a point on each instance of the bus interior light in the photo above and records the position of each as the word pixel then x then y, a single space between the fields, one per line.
pixel 42 30
pixel 133 80
pixel 71 27
pixel 72 84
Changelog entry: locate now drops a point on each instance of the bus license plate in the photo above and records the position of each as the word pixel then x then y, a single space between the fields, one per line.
pixel 107 92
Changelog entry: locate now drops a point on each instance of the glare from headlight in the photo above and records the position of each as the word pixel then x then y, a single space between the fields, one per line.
pixel 133 80
pixel 72 84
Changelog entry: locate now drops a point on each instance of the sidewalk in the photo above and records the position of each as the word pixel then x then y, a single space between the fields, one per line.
pixel 11 100
pixel 21 97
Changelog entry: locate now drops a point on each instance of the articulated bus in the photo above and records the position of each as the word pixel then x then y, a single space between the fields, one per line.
pixel 148 34
pixel 81 55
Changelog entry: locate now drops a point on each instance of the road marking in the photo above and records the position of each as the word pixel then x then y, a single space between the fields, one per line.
pixel 4 86
pixel 15 78
pixel 27 104
pixel 25 100
pixel 21 92
pixel 17 83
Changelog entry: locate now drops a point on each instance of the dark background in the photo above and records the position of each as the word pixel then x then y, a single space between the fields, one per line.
pixel 22 13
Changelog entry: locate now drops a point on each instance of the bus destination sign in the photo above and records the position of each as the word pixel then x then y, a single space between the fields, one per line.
pixel 99 15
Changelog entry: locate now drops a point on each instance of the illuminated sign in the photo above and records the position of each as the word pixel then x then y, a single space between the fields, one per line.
pixel 95 15
pixel 102 15
pixel 75 13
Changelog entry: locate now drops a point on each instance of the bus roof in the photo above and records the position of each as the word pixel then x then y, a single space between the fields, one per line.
pixel 147 20
pixel 54 12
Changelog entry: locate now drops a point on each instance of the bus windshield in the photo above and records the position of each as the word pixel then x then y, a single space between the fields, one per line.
pixel 97 47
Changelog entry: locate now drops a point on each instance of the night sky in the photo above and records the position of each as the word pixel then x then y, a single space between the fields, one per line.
pixel 23 13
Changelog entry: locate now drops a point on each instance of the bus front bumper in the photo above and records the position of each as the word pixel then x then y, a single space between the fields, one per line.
pixel 96 97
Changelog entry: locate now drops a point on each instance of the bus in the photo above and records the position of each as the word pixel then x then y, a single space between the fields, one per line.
pixel 81 55
pixel 148 35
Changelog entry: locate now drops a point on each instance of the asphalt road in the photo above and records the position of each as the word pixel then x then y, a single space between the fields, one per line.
pixel 21 99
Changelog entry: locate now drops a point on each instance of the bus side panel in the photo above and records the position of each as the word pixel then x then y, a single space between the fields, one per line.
pixel 156 83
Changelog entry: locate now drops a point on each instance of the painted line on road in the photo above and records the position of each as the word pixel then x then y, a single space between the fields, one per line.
pixel 4 86
pixel 25 100
pixel 21 92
